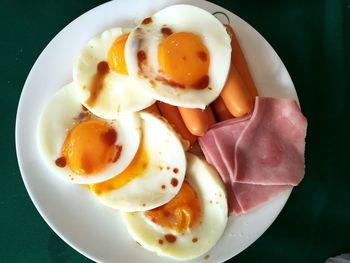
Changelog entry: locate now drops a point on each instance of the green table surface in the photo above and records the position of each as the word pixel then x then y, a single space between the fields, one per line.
pixel 313 40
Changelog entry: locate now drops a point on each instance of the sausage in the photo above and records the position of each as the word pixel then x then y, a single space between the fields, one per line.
pixel 197 121
pixel 236 95
pixel 172 114
pixel 220 111
pixel 238 60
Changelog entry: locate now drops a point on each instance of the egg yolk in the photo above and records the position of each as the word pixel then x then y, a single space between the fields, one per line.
pixel 181 213
pixel 116 59
pixel 136 168
pixel 183 59
pixel 90 146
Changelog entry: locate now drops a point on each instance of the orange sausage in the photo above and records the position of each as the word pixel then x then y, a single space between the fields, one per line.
pixel 220 111
pixel 236 95
pixel 197 121
pixel 240 63
pixel 172 114
pixel 152 109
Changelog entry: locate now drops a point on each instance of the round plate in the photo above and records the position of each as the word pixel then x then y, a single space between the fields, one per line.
pixel 71 211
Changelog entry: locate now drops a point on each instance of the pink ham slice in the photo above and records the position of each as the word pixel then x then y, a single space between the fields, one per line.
pixel 250 196
pixel 212 155
pixel 270 150
pixel 272 137
pixel 247 196
pixel 225 138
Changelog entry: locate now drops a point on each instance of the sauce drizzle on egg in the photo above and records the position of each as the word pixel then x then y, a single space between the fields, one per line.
pixel 61 162
pixel 166 31
pixel 174 182
pixel 96 83
pixel 147 21
pixel 170 238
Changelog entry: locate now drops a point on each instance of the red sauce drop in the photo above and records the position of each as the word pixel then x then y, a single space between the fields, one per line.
pixel 118 151
pixel 141 57
pixel 102 67
pixel 202 82
pixel 202 56
pixel 175 84
pixel 163 186
pixel 174 182
pixel 160 241
pixel 194 240
pixel 109 137
pixel 166 213
pixel 61 162
pixel 176 170
pixel 147 21
pixel 96 83
pixel 166 31
pixel 170 238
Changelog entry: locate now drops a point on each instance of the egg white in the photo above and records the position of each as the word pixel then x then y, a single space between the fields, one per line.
pixel 181 18
pixel 165 152
pixel 59 116
pixel 211 192
pixel 121 93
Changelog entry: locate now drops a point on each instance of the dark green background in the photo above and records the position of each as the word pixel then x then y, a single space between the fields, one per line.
pixel 313 40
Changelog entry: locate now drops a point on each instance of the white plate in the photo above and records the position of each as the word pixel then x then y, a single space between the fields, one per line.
pixel 72 212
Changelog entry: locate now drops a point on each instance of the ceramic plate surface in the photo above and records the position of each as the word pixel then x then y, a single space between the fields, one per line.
pixel 72 212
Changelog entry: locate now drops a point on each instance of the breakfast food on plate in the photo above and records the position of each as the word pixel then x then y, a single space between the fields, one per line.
pixel 240 63
pixel 83 148
pixel 172 114
pixel 260 155
pixel 182 61
pixel 154 176
pixel 239 91
pixel 145 104
pixel 191 223
pixel 220 110
pixel 101 78
pixel 197 121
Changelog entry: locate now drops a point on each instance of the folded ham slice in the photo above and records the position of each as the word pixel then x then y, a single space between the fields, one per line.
pixel 270 150
pixel 212 156
pixel 250 196
pixel 258 156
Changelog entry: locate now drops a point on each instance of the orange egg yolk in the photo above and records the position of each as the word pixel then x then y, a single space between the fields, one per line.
pixel 90 146
pixel 136 168
pixel 183 58
pixel 181 213
pixel 116 59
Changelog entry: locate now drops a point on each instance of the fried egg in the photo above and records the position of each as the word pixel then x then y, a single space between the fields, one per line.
pixel 191 223
pixel 182 53
pixel 154 176
pixel 81 147
pixel 101 78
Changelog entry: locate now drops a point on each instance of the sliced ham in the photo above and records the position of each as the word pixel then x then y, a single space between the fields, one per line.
pixel 212 156
pixel 270 150
pixel 250 196
pixel 260 155
pixel 225 140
